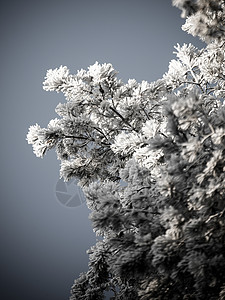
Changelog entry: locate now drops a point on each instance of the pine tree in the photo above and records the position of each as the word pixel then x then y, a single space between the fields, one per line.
pixel 150 160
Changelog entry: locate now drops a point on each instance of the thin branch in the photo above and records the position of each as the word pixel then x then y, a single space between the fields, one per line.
pixel 100 131
pixel 122 118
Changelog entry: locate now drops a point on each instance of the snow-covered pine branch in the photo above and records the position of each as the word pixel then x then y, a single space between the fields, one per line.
pixel 150 158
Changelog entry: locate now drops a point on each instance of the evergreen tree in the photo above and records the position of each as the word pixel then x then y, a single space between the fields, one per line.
pixel 150 160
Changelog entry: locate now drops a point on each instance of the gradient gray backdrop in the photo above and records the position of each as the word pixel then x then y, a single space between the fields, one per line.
pixel 43 244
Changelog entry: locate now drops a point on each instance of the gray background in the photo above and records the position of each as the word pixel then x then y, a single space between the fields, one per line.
pixel 43 244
